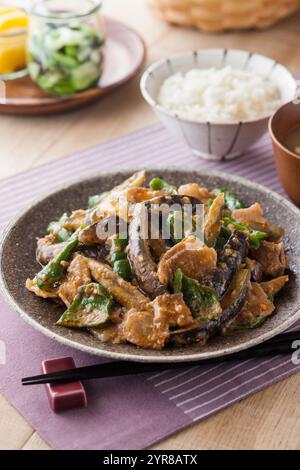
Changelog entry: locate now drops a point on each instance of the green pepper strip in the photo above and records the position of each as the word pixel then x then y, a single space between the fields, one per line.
pixel 249 325
pixel 122 268
pixel 175 223
pixel 119 259
pixel 255 236
pixel 222 238
pixel 57 229
pixel 200 299
pixel 94 200
pixel 231 199
pixel 53 272
pixel 90 307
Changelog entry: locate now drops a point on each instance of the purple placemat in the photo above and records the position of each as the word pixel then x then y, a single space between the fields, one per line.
pixel 134 412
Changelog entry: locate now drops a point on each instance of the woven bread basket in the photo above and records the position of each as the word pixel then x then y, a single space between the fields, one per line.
pixel 222 15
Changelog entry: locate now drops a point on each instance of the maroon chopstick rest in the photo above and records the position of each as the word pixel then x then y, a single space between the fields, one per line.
pixel 63 397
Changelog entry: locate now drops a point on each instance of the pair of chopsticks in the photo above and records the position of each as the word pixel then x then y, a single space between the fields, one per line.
pixel 281 344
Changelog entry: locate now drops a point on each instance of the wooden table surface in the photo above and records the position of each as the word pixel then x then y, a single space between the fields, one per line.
pixel 268 420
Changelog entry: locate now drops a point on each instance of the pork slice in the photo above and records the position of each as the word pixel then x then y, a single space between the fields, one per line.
pixel 257 304
pixel 272 258
pixel 139 329
pixel 252 216
pixel 194 258
pixel 78 274
pixel 194 190
pixel 150 328
pixel 172 310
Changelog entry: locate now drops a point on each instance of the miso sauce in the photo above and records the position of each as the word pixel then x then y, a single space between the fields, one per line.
pixel 292 142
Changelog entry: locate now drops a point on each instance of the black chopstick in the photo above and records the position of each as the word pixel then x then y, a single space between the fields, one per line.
pixel 281 344
pixel 290 336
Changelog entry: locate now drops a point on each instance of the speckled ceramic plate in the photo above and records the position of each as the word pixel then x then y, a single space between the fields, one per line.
pixel 17 258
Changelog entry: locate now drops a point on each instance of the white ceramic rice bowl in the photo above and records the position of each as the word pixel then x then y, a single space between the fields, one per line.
pixel 207 139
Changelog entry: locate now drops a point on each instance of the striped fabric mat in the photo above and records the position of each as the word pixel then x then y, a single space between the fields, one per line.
pixel 201 391
pixel 180 397
pixel 150 147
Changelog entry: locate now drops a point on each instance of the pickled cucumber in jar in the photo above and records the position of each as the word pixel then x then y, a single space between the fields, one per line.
pixel 65 58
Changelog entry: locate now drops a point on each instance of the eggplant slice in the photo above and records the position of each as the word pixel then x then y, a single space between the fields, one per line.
pixel 47 249
pixel 139 253
pixel 140 257
pixel 173 199
pixel 97 251
pixel 100 231
pixel 233 303
pixel 229 261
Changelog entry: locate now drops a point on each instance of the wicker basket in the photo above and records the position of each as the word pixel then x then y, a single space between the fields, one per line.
pixel 221 15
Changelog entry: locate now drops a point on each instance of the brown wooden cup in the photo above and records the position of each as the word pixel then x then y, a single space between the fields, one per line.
pixel 288 163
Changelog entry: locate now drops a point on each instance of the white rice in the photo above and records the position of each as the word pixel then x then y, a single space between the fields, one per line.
pixel 219 95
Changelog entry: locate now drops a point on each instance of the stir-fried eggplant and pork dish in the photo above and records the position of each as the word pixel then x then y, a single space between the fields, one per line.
pixel 182 280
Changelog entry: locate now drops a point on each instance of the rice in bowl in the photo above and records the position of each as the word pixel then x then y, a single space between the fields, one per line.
pixel 224 95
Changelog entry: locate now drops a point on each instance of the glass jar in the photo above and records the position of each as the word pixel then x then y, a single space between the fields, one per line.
pixel 65 42
pixel 13 39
